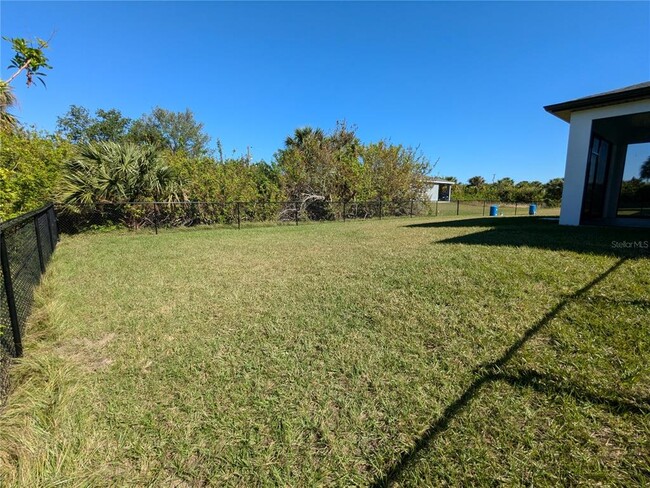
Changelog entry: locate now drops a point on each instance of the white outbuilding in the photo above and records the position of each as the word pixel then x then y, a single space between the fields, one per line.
pixel 439 190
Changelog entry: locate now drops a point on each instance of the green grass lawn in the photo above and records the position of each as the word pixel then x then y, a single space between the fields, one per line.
pixel 407 352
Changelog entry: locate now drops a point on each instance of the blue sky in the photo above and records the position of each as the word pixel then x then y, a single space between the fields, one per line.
pixel 464 81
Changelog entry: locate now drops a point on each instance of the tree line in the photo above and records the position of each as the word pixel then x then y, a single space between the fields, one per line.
pixel 507 191
pixel 101 157
pixel 105 157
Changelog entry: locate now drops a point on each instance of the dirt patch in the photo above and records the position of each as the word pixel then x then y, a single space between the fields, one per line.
pixel 89 354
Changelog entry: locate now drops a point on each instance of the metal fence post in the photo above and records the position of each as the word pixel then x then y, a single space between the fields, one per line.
pixel 380 209
pixel 343 210
pixel 295 204
pixel 11 300
pixel 483 208
pixel 436 208
pixel 457 207
pixel 39 243
pixel 238 218
pixel 155 217
pixel 411 211
pixel 515 208
pixel 49 228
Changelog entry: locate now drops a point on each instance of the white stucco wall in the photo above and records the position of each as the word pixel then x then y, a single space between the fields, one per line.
pixel 577 154
pixel 432 192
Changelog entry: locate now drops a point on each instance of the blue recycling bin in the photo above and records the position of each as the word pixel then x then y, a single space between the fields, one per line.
pixel 532 210
pixel 494 210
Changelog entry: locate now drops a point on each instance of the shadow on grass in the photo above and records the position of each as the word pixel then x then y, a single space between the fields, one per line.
pixel 491 372
pixel 538 232
pixel 550 385
pixel 618 301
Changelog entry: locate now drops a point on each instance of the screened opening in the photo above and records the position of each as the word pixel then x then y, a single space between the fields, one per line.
pixel 617 183
pixel 634 197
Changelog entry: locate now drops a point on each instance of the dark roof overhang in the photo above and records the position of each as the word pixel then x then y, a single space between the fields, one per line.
pixel 623 95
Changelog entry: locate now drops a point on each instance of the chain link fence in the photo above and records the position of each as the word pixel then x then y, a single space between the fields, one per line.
pixel 160 215
pixel 26 244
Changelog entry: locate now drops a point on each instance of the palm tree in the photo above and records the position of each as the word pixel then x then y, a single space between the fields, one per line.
pixel 302 135
pixel 476 181
pixel 111 172
pixel 8 122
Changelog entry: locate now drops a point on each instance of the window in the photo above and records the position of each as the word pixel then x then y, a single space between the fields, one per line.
pixel 596 182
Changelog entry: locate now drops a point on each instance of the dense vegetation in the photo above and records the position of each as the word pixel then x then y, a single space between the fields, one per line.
pixel 108 157
pixel 164 155
pixel 31 165
pixel 506 190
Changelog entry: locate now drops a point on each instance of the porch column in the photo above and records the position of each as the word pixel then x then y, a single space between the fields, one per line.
pixel 576 168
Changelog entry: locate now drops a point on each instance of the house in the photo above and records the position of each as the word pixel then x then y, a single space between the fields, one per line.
pixel 606 180
pixel 438 190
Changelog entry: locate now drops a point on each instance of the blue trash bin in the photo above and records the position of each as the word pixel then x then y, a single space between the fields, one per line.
pixel 494 210
pixel 532 210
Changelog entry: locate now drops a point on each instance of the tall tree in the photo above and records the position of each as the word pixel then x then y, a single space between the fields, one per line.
pixel 476 181
pixel 346 162
pixel 75 123
pixel 303 165
pixel 78 126
pixel 394 172
pixel 336 166
pixel 302 136
pixel 176 131
pixel 110 125
pixel 314 165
